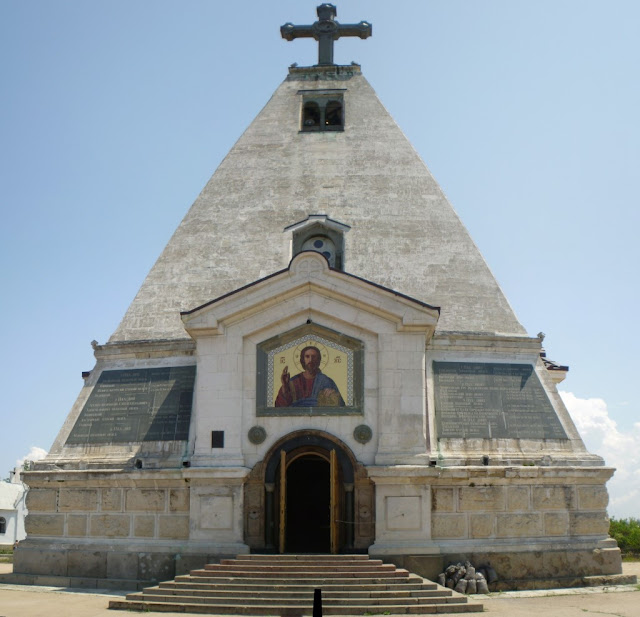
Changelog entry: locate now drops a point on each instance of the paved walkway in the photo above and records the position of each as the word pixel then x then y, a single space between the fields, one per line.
pixel 624 601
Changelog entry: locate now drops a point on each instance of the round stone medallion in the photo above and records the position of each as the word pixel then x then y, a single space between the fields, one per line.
pixel 362 433
pixel 257 435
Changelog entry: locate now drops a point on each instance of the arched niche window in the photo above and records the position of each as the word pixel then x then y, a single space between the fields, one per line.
pixel 333 113
pixel 322 110
pixel 320 233
pixel 3 525
pixel 311 115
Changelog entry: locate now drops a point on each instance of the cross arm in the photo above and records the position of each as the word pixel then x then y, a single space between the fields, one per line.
pixel 362 29
pixel 290 32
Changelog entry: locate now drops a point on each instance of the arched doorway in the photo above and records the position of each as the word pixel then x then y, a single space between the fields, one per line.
pixel 309 495
pixel 307 504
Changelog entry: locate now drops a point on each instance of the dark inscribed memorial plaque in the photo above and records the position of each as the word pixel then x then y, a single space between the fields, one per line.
pixel 492 401
pixel 137 405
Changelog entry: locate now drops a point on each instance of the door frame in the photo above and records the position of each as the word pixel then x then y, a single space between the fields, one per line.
pixel 286 460
pixel 342 463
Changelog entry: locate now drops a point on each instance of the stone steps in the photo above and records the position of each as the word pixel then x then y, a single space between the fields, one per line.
pixel 299 579
pixel 328 591
pixel 285 584
pixel 299 574
pixel 278 600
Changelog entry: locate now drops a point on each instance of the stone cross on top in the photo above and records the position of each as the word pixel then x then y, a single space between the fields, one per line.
pixel 326 30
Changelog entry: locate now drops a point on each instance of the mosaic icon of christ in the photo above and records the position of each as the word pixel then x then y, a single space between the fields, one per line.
pixel 311 387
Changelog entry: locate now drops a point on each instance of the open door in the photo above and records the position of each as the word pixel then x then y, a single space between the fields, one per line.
pixel 334 507
pixel 283 500
pixel 308 502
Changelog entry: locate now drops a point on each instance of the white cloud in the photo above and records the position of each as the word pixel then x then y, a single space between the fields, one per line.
pixel 35 454
pixel 601 435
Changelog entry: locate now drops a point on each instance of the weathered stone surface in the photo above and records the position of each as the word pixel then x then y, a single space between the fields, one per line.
pixel 110 525
pixel 76 524
pixel 561 563
pixel 174 527
pixel 556 523
pixel 44 524
pixel 589 523
pixel 451 273
pixel 145 500
pixel 42 500
pixel 604 561
pixel 87 563
pixel 40 561
pixel 122 565
pixel 144 526
pixel 185 563
pixel 529 567
pixel 403 513
pixel 442 500
pixel 592 497
pixel 179 500
pixel 519 525
pixel 429 566
pixel 581 563
pixel 448 526
pixel 156 566
pixel 518 498
pixel 553 498
pixel 111 500
pixel 481 525
pixel 481 498
pixel 77 500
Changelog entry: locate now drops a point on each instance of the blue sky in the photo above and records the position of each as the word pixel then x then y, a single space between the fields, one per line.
pixel 115 114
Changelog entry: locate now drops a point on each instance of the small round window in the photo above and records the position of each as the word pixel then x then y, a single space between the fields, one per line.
pixel 322 245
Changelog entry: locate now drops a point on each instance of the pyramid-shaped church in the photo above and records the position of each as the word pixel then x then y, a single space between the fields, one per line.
pixel 320 361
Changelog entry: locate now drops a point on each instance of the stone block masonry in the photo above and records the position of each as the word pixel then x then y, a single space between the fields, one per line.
pixel 120 528
pixel 533 511
pixel 108 512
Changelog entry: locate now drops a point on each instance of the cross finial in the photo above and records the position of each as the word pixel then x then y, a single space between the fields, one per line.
pixel 326 30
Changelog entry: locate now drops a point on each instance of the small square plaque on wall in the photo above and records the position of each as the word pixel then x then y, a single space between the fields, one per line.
pixel 403 513
pixel 217 439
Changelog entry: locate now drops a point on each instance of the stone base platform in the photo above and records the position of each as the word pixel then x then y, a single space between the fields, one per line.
pixel 564 582
pixel 530 569
pixel 73 582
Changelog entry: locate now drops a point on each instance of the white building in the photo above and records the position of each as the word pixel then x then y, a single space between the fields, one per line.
pixel 320 361
pixel 12 510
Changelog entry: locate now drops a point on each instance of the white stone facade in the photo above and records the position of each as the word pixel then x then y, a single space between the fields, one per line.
pixel 12 513
pixel 414 292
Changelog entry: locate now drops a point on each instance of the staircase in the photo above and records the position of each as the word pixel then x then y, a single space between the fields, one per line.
pixel 284 585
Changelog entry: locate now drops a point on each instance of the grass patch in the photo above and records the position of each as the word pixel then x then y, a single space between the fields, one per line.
pixel 630 558
pixel 626 532
pixel 6 555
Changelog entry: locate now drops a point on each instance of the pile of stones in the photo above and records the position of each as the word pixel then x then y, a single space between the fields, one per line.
pixel 465 578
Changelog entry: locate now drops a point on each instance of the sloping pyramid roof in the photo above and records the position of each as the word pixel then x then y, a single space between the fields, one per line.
pixel 404 234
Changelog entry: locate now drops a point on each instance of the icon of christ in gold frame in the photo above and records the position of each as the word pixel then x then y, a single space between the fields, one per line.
pixel 311 387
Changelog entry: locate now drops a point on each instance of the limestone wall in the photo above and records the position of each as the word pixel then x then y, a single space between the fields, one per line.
pixel 90 526
pixel 130 525
pixel 530 523
pixel 135 513
pixel 554 510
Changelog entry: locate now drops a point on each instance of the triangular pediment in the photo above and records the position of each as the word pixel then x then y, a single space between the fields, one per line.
pixel 310 284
